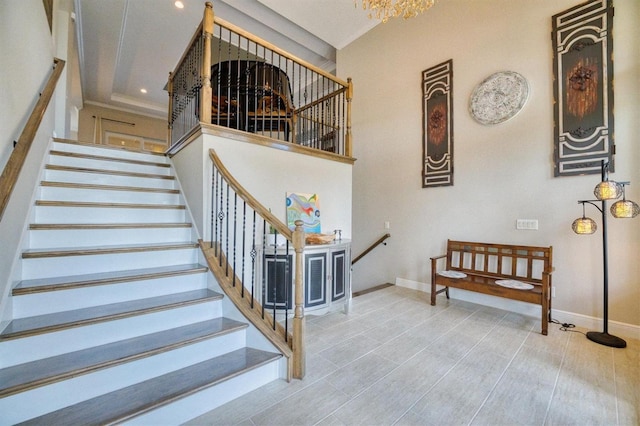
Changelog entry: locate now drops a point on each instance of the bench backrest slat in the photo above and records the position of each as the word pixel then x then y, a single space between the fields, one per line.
pixel 499 260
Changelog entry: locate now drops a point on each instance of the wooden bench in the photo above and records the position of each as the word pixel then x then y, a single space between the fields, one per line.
pixel 484 264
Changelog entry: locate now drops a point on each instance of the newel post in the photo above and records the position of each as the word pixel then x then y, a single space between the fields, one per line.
pixel 170 110
pixel 205 90
pixel 299 357
pixel 347 143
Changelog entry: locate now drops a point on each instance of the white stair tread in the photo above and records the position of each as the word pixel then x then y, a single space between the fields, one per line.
pixel 67 226
pixel 71 145
pixel 88 251
pixel 49 370
pixel 45 203
pixel 75 281
pixel 143 397
pixel 29 326
pixel 107 172
pixel 73 185
pixel 108 158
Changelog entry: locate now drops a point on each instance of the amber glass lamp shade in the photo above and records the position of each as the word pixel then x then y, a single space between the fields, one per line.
pixel 584 225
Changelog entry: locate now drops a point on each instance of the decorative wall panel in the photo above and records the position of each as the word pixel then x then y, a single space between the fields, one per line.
pixel 437 125
pixel 583 88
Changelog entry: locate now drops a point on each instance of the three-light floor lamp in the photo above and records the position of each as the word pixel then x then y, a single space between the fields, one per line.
pixel 606 190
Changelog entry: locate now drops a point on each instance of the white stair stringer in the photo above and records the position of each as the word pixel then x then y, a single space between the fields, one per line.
pixel 115 316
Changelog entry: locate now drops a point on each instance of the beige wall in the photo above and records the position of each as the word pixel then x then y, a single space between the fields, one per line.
pixel 502 172
pixel 144 126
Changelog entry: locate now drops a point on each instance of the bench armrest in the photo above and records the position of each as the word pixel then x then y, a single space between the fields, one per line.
pixel 434 262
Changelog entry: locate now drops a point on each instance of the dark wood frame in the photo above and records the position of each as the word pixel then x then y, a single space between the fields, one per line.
pixel 583 88
pixel 437 125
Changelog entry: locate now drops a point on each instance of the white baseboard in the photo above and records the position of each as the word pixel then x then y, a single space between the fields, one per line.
pixel 583 321
pixel 617 328
pixel 413 285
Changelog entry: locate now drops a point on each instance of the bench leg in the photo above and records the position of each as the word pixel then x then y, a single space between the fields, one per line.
pixel 545 316
pixel 433 294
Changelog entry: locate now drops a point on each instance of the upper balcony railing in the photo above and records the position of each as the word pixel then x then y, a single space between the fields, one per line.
pixel 228 77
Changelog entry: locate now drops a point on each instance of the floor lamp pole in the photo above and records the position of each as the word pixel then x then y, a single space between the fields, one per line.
pixel 604 338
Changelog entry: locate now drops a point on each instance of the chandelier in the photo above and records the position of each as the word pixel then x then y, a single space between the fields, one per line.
pixel 385 9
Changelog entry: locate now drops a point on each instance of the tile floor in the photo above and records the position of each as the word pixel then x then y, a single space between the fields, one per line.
pixel 396 360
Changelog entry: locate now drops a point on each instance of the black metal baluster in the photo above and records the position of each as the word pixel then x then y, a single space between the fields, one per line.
pixel 226 238
pixel 287 291
pixel 341 124
pixel 264 267
pixel 244 240
pixel 235 235
pixel 214 179
pixel 253 259
pixel 220 219
pixel 275 279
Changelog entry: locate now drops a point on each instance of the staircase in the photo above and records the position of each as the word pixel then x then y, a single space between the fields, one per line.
pixel 115 318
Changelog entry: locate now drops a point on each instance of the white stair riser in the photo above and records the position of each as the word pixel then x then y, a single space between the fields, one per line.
pixel 91 163
pixel 108 179
pixel 117 153
pixel 62 214
pixel 20 407
pixel 69 238
pixel 77 265
pixel 26 405
pixel 58 301
pixel 51 193
pixel 207 399
pixel 26 349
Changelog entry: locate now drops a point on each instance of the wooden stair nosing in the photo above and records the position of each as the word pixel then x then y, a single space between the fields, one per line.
pixel 41 285
pixel 91 251
pixel 135 400
pixel 31 326
pixel 34 374
pixel 105 158
pixel 73 185
pixel 46 203
pixel 107 172
pixel 76 226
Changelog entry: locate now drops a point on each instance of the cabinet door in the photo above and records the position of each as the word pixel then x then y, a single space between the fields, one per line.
pixel 278 279
pixel 315 279
pixel 339 276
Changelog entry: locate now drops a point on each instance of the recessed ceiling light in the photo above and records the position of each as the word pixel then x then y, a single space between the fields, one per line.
pixel 179 4
pixel 143 90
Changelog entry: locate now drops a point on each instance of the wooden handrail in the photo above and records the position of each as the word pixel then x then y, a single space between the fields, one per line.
pixel 371 247
pixel 13 167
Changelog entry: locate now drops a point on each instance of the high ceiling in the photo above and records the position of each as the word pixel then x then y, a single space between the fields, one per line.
pixel 129 45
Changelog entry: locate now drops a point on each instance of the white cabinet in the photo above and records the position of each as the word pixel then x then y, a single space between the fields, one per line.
pixel 326 275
